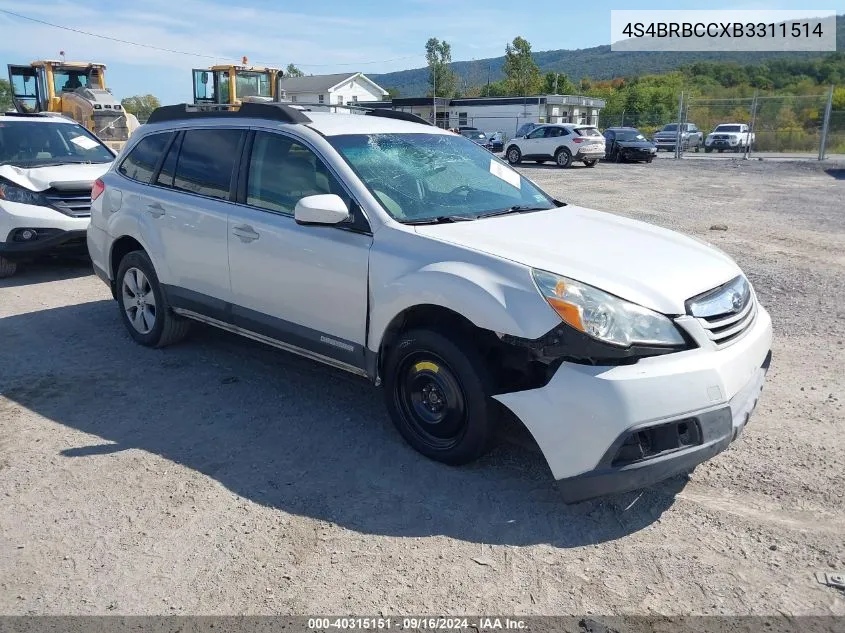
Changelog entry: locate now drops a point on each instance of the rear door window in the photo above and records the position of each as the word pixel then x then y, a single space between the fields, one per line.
pixel 206 162
pixel 142 159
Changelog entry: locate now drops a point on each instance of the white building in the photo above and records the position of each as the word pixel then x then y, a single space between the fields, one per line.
pixel 501 114
pixel 338 89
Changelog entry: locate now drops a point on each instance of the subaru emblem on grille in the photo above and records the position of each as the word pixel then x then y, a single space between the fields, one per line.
pixel 729 298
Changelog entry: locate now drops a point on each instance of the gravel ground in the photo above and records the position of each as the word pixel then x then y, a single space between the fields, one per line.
pixel 222 477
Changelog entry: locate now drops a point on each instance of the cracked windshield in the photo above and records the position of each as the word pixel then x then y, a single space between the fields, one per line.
pixel 437 177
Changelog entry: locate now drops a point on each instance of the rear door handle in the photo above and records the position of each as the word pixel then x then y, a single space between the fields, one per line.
pixel 245 233
pixel 155 210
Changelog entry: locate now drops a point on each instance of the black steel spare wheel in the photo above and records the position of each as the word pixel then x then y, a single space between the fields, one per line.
pixel 436 391
pixel 432 400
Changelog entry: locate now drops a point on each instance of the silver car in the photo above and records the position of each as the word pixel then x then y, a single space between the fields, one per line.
pixel 414 258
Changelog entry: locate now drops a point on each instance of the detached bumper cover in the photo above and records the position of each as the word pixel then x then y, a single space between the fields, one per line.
pixel 584 410
pixel 50 241
pixel 718 429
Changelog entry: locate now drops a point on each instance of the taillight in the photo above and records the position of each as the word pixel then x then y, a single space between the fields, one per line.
pixel 98 189
pixel 578 140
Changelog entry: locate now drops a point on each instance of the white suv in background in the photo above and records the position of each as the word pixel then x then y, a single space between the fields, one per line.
pixel 412 257
pixel 563 143
pixel 47 167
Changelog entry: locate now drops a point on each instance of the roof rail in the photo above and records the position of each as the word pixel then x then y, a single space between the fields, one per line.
pixel 386 113
pixel 273 111
pixel 397 114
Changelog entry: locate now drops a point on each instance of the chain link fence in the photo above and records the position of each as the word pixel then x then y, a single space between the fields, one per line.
pixel 781 124
pixel 790 124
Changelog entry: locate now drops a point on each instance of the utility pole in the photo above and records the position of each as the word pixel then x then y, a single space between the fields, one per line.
pixel 556 74
pixel 679 136
pixel 434 93
pixel 751 127
pixel 826 123
pixel 488 79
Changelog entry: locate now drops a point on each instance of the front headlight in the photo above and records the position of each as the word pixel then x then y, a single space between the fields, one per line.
pixel 603 316
pixel 14 193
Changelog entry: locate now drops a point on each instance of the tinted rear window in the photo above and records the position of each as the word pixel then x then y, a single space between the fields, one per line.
pixel 587 131
pixel 205 162
pixel 142 159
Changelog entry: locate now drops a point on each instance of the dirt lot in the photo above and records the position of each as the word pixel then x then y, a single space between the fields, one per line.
pixel 221 477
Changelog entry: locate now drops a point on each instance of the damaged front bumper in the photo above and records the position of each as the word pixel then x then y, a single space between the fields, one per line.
pixel 607 429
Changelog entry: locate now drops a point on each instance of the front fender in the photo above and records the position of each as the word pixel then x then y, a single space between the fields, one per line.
pixel 503 301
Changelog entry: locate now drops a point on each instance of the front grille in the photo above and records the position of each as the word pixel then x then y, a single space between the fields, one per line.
pixel 76 203
pixel 725 312
pixel 725 330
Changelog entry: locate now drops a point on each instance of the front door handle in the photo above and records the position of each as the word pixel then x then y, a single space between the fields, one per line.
pixel 155 210
pixel 245 233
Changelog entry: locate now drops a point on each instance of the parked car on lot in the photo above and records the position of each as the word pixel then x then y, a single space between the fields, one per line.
pixel 734 137
pixel 525 128
pixel 497 142
pixel 478 137
pixel 563 143
pixel 627 144
pixel 408 255
pixel 47 166
pixel 667 137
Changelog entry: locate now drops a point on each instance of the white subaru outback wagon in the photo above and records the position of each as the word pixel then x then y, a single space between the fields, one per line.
pixel 411 256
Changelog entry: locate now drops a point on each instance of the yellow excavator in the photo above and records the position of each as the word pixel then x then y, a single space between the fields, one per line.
pixel 76 90
pixel 229 85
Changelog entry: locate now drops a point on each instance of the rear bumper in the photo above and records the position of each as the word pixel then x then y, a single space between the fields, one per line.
pixel 48 242
pixel 590 154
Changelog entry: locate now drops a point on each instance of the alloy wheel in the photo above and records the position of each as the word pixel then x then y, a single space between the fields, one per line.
pixel 139 301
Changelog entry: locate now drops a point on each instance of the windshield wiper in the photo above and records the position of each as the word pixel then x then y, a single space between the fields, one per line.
pixel 517 208
pixel 441 219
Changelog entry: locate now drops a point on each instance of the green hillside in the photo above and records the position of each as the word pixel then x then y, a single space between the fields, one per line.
pixel 597 63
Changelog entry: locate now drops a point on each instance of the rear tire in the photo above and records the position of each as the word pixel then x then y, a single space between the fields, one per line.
pixel 436 394
pixel 590 162
pixel 563 158
pixel 7 268
pixel 513 155
pixel 143 306
pixel 707 150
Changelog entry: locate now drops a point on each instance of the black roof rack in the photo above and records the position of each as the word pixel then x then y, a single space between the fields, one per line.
pixel 280 112
pixel 397 114
pixel 27 114
pixel 368 110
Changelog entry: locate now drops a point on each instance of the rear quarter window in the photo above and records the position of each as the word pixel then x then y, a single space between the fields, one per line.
pixel 587 131
pixel 142 159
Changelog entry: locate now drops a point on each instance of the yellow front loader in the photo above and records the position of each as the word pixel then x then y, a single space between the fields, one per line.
pixel 76 90
pixel 229 85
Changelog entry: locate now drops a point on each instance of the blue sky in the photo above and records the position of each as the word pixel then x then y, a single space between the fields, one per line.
pixel 321 36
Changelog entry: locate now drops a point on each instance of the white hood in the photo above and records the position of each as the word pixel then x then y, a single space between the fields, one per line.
pixel 54 176
pixel 653 267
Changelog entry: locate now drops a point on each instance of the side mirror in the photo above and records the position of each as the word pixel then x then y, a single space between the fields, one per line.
pixel 204 78
pixel 327 208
